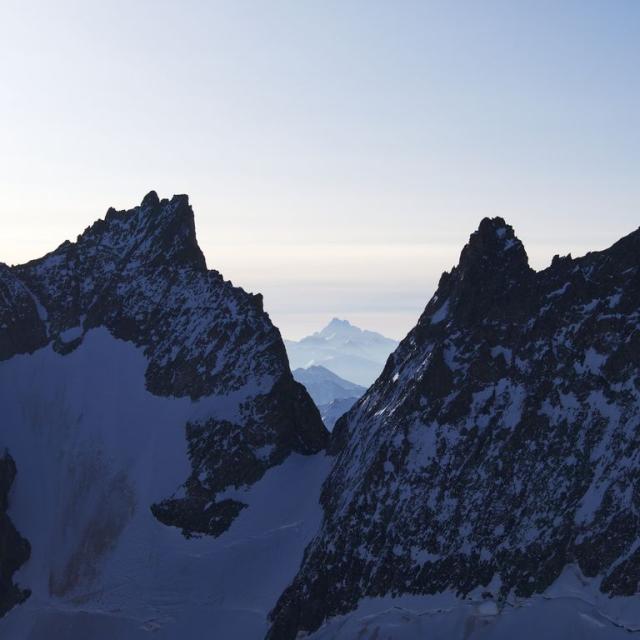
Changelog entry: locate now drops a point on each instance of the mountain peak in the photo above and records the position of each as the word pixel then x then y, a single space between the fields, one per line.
pixel 338 322
pixel 157 231
pixel 338 327
pixel 494 241
pixel 491 455
pixel 493 267
pixel 150 200
pixel 347 350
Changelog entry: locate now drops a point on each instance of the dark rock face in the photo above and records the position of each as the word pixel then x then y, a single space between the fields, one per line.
pixel 225 453
pixel 500 444
pixel 22 329
pixel 14 549
pixel 141 274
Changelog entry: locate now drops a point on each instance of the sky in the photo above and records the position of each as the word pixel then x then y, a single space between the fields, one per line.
pixel 337 154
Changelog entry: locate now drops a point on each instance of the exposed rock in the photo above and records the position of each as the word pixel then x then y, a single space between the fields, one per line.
pixel 227 454
pixel 14 549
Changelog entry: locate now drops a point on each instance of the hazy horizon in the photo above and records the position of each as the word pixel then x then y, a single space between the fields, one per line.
pixel 337 155
pixel 418 267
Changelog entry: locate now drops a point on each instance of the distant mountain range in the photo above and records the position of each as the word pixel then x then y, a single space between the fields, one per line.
pixel 332 394
pixel 350 352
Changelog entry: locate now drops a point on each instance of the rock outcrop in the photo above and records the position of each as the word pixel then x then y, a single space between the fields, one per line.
pixel 14 549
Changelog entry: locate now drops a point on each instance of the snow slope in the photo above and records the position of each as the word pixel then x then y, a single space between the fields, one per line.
pixel 140 274
pixel 93 450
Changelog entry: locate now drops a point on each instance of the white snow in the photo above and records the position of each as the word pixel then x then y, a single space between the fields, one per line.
pixel 560 291
pixel 487 608
pixel 614 300
pixel 71 334
pixel 593 360
pixel 562 615
pixel 502 351
pixel 441 313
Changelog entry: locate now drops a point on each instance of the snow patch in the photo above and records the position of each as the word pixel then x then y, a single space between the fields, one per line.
pixel 441 313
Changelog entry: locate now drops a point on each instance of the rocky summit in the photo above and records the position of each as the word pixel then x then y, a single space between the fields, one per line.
pixel 500 445
pixel 141 274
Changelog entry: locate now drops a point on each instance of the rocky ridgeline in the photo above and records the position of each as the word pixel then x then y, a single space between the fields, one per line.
pixel 141 274
pixel 500 444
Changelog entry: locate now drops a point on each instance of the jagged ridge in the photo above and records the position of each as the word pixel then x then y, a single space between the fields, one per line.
pixel 141 274
pixel 499 445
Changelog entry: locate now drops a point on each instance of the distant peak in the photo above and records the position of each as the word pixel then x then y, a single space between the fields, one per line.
pixel 339 327
pixel 150 200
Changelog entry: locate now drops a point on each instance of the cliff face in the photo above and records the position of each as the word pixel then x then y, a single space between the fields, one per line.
pixel 499 445
pixel 14 549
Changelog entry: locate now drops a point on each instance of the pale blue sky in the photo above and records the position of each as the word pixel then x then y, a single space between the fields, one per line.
pixel 337 154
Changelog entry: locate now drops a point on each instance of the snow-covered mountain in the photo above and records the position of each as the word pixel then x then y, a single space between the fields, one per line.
pixel 324 386
pixel 489 479
pixel 350 352
pixel 332 394
pixel 154 431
